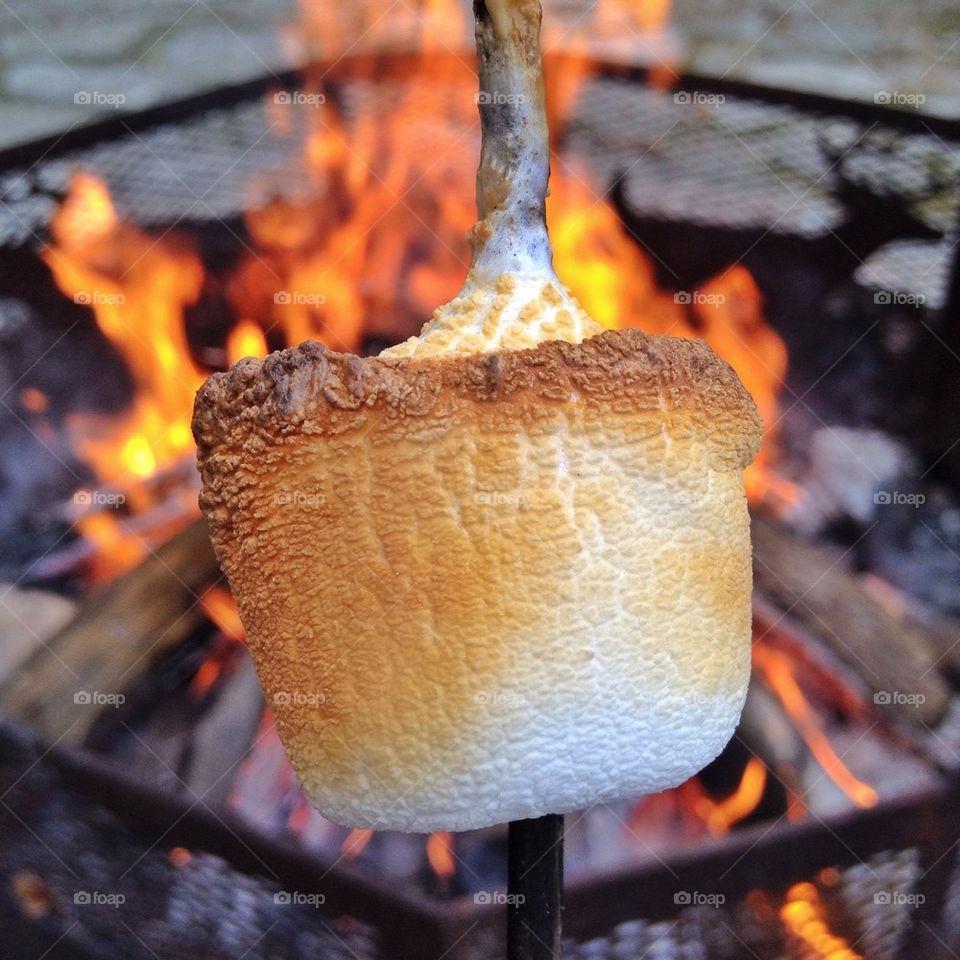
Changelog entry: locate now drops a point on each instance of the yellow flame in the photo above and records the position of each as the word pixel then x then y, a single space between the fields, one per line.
pixel 246 339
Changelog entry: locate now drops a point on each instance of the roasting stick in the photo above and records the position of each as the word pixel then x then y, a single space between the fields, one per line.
pixel 535 888
pixel 511 237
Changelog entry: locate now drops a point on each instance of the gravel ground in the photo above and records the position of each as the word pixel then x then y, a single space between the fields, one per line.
pixel 861 49
pixel 65 62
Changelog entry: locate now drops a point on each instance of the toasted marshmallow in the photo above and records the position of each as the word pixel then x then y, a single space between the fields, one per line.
pixel 511 313
pixel 503 569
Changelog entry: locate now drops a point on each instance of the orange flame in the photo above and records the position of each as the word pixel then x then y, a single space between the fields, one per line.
pixel 116 549
pixel 652 14
pixel 355 842
pixel 204 679
pixel 720 817
pixel 219 606
pixel 86 216
pixel 613 279
pixel 137 287
pixel 440 854
pixel 775 667
pixel 372 240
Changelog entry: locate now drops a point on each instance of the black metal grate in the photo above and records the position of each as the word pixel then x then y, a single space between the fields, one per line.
pixel 752 161
pixel 699 155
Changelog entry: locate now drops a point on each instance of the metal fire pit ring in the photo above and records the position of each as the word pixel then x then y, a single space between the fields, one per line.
pixel 912 837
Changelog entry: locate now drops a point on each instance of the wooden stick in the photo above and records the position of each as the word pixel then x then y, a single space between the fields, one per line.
pixel 510 235
pixel 535 888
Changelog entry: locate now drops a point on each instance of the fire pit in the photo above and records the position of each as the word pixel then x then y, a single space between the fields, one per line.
pixel 147 804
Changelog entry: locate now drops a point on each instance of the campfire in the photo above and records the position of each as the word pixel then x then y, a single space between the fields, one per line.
pixel 825 829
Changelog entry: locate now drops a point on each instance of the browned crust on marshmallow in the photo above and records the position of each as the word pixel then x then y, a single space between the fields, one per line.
pixel 312 390
pixel 619 560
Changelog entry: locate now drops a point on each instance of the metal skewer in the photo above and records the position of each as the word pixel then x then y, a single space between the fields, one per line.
pixel 535 888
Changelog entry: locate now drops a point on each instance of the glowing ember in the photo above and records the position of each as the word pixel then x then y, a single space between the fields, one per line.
pixel 211 670
pixel 218 605
pixel 805 917
pixel 796 804
pixel 775 668
pixel 34 400
pixel 180 856
pixel 300 816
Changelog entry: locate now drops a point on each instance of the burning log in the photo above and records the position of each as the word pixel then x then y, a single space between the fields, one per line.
pixel 147 611
pixel 838 683
pixel 28 618
pixel 897 659
pixel 768 733
pixel 223 737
